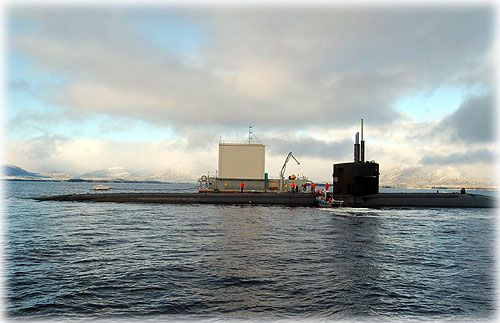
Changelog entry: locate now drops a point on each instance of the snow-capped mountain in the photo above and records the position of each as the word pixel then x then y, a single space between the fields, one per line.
pixel 171 175
pixel 116 172
pixel 401 177
pixel 425 177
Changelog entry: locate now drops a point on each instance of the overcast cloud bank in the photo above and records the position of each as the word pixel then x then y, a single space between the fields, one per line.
pixel 304 78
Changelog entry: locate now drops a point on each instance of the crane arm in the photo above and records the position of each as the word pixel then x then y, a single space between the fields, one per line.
pixel 282 172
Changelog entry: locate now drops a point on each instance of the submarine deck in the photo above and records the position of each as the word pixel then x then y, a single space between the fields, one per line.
pixel 381 200
pixel 292 199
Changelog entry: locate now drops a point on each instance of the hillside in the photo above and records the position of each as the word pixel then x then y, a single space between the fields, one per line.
pixel 14 171
pixel 400 177
pixel 424 177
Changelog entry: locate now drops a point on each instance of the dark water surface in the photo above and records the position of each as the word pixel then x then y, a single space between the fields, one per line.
pixel 75 260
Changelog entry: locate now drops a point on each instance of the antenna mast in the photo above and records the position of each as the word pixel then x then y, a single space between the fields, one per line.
pixel 250 132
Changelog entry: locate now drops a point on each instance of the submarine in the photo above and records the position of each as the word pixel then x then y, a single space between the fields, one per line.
pixel 357 185
pixel 242 181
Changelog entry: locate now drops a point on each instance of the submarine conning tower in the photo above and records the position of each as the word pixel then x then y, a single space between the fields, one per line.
pixel 359 177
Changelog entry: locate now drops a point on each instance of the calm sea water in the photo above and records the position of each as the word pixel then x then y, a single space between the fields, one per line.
pixel 71 260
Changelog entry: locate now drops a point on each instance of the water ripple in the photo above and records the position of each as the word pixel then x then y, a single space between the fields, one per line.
pixel 108 260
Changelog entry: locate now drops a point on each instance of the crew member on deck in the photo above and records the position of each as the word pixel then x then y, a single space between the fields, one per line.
pixel 313 187
pixel 293 187
pixel 327 186
pixel 242 185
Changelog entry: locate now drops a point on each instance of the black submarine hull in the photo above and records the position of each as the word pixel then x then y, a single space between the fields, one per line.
pixel 416 200
pixel 380 200
pixel 291 199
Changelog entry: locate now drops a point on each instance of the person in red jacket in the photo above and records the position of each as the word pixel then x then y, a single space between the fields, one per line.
pixel 242 185
pixel 292 186
pixel 327 186
pixel 313 187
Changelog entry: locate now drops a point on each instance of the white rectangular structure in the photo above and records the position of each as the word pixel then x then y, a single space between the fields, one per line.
pixel 242 161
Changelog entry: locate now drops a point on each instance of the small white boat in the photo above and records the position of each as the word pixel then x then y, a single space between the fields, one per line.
pixel 101 188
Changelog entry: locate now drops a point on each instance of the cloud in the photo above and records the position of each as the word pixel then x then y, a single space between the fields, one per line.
pixel 258 80
pixel 75 156
pixel 469 157
pixel 427 43
pixel 45 146
pixel 275 68
pixel 19 85
pixel 472 123
pixel 302 76
pixel 309 147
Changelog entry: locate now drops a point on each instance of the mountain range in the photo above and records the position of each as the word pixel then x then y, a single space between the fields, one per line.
pixel 14 171
pixel 426 177
pixel 400 177
pixel 169 174
pixel 11 172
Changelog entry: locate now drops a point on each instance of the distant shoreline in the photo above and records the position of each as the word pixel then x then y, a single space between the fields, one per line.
pixel 81 180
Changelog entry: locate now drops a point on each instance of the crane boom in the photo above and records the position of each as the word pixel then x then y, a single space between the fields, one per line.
pixel 282 172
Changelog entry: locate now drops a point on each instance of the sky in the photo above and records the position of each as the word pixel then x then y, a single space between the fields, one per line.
pixel 157 86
